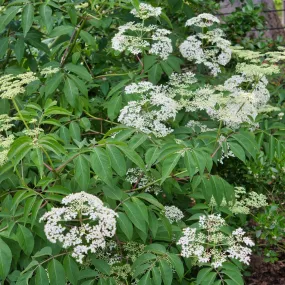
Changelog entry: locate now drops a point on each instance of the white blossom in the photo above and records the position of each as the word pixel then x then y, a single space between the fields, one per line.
pixel 203 20
pixel 173 214
pixel 137 37
pixel 83 223
pixel 208 244
pixel 13 85
pixel 146 11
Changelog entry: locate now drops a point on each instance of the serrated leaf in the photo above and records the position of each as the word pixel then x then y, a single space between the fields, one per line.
pixel 19 49
pixel 53 82
pixel 125 225
pixel 166 272
pixel 71 270
pixel 27 18
pixel 177 265
pixel 41 276
pixel 46 17
pixel 56 273
pixel 25 239
pixel 134 214
pixel 5 259
pixel 71 92
pixel 82 171
pixel 117 159
pixel 101 165
pixel 168 165
pixel 133 156
pixel 61 30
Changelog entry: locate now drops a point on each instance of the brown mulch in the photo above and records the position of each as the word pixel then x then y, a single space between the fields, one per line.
pixel 263 273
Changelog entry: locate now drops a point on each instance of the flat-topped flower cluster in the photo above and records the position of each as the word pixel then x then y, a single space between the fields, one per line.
pixel 235 103
pixel 83 224
pixel 208 244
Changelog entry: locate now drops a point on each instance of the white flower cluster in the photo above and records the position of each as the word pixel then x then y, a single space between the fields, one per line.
pixel 243 203
pixel 203 20
pixel 226 152
pixel 151 113
pixel 5 143
pixel 203 128
pixel 173 214
pixel 49 70
pixel 146 11
pixel 6 122
pixel 209 48
pixel 137 177
pixel 208 243
pixel 13 85
pixel 83 224
pixel 137 38
pixel 33 132
pixel 231 103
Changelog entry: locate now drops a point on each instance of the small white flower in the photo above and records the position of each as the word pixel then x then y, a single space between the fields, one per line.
pixel 173 214
pixel 83 224
pixel 146 11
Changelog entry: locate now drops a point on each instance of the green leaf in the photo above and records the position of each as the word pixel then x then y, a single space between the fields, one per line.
pixel 101 265
pixel 117 159
pixel 234 275
pixel 35 211
pixel 46 17
pixel 125 225
pixel 209 279
pixel 203 274
pixel 27 18
pixel 133 156
pixel 43 252
pixel 134 214
pixel 19 149
pixel 79 70
pixel 61 30
pixel 156 276
pixel 168 165
pixel 177 265
pixel 71 270
pixel 74 131
pixel 113 192
pixel 4 44
pixel 82 172
pixel 101 165
pixel 53 82
pixel 56 273
pixel 150 199
pixel 8 16
pixel 137 140
pixel 142 208
pixel 19 49
pixel 5 259
pixel 149 61
pixel 237 150
pixel 155 73
pixel 71 92
pixel 166 272
pixel 41 276
pixel 247 141
pixel 145 280
pixel 151 156
pixel 25 239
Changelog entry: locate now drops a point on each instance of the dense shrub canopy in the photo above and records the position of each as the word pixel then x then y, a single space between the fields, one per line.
pixel 131 140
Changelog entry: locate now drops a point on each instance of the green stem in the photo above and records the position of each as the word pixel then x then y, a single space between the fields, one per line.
pixel 99 119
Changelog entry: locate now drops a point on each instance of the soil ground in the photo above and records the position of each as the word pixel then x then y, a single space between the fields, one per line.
pixel 263 273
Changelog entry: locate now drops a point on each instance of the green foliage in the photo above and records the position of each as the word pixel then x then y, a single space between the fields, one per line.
pixel 67 139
